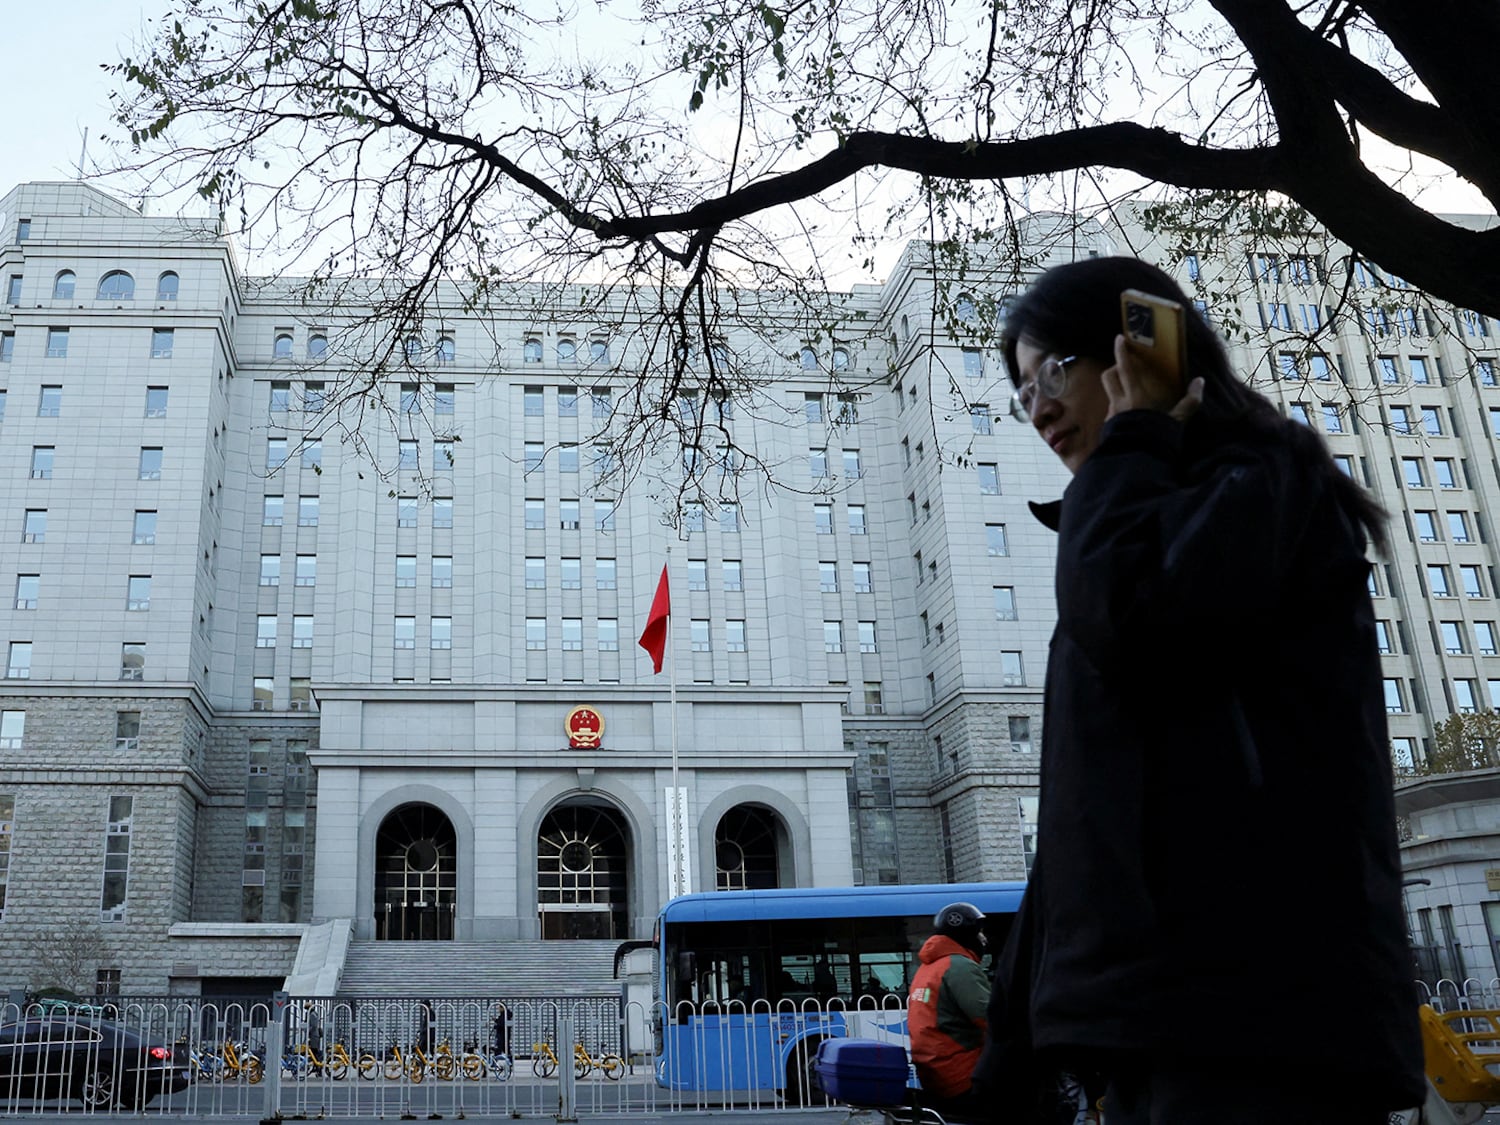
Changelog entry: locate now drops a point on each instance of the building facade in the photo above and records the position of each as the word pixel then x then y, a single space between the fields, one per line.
pixel 268 666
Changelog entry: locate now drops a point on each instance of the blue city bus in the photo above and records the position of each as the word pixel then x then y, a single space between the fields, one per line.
pixel 750 982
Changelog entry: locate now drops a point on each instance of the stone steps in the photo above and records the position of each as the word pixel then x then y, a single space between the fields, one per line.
pixel 380 969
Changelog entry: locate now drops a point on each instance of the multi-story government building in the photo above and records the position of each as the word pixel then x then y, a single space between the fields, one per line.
pixel 272 674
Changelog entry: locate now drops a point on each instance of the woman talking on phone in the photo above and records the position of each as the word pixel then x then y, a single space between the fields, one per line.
pixel 1214 926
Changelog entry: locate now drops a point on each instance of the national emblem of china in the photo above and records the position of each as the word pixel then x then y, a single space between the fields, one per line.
pixel 585 727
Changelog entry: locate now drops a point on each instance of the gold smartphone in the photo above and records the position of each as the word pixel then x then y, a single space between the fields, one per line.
pixel 1156 329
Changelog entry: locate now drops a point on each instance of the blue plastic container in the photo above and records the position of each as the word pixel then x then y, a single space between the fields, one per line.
pixel 862 1071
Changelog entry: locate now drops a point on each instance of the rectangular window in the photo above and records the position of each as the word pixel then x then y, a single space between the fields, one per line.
pixel 812 407
pixel 536 633
pixel 41 461
pixel 533 402
pixel 411 393
pixel 1322 370
pixel 733 575
pixel 1437 581
pixel 406 570
pixel 442 632
pixel 1426 524
pixel 312 454
pixel 1333 421
pixel 698 634
pixel 853 469
pixel 12 729
pixel 156 402
pixel 307 570
pixel 973 360
pixel 604 574
pixel 1453 636
pixel 823 519
pixel 1484 638
pixel 535 514
pixel 862 583
pixel 28 590
pixel 443 399
pixel 116 860
pixel 442 456
pixel 442 572
pixel 275 454
pixel 302 631
pixel 567 515
pixel 867 641
pixel 405 632
pixel 406 511
pixel 133 660
pixel 150 465
pixel 13 290
pixel 532 455
pixel 734 635
pixel 989 480
pixel 729 517
pixel 1020 734
pixel 265 631
pixel 18 664
pixel 1458 527
pixel 697 574
pixel 572 574
pixel 272 509
pixel 828 577
pixel 144 531
pixel 262 693
pixel 442 511
pixel 1432 421
pixel 1473 586
pixel 49 402
pixel 1394 702
pixel 1442 469
pixel 1390 370
pixel 1028 815
pixel 857 525
pixel 307 511
pixel 7 346
pixel 833 636
pixel 609 634
pixel 1005 603
pixel 270 570
pixel 604 403
pixel 1012 672
pixel 57 343
pixel 34 526
pixel 1383 638
pixel 139 594
pixel 1411 468
pixel 995 540
pixel 604 515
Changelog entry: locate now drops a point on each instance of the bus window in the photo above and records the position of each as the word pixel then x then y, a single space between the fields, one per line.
pixel 884 974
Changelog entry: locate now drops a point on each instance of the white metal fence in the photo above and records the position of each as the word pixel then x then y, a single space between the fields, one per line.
pixel 420 1056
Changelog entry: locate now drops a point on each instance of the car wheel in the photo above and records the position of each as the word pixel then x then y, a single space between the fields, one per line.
pixel 804 1087
pixel 96 1090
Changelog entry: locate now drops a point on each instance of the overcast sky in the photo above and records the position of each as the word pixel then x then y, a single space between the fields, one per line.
pixel 52 83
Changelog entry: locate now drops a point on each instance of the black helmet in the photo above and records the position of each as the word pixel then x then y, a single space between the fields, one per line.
pixel 964 923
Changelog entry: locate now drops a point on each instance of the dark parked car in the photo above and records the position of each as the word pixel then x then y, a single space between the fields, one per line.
pixel 102 1063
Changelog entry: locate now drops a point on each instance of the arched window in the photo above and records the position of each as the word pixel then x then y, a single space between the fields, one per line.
pixel 166 287
pixel 567 351
pixel 532 351
pixel 809 359
pixel 317 346
pixel 598 351
pixel 117 285
pixel 413 347
pixel 282 348
pixel 841 359
pixel 967 311
pixel 905 329
pixel 63 285
pixel 446 351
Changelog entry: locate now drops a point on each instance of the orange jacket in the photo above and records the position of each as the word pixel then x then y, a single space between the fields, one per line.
pixel 945 1016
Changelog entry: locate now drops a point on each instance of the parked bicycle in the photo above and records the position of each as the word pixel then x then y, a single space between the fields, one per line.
pixel 544 1062
pixel 336 1063
pixel 241 1062
pixel 481 1064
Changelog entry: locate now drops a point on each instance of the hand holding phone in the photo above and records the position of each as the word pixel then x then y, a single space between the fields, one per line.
pixel 1156 330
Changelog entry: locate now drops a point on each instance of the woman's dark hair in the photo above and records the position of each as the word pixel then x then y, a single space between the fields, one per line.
pixel 1075 310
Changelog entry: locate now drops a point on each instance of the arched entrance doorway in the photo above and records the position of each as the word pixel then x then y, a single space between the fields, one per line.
pixel 582 872
pixel 416 871
pixel 747 854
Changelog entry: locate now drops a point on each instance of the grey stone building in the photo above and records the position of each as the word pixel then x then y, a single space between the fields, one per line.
pixel 261 680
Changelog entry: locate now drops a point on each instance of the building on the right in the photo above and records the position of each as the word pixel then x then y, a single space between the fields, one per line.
pixel 1405 390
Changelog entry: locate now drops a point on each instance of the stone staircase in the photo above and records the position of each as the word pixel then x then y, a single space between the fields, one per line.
pixel 441 969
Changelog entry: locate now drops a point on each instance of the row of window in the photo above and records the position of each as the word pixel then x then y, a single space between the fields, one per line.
pixel 1454 638
pixel 49 400
pixel 116 285
pixel 1440 580
pixel 58 339
pixel 607 634
pixel 1426 525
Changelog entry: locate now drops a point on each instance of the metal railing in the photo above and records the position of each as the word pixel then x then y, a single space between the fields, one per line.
pixel 420 1056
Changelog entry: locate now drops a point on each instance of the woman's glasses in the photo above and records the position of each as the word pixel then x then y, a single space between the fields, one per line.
pixel 1051 380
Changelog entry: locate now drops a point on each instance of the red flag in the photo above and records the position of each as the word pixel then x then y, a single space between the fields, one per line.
pixel 654 635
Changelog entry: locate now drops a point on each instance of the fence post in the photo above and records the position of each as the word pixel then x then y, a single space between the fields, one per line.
pixel 567 1084
pixel 275 1033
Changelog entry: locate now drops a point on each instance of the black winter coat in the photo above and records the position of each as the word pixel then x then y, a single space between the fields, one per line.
pixel 1217 871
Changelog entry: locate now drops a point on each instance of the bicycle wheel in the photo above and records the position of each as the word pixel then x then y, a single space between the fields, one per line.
pixel 339 1070
pixel 473 1067
pixel 445 1068
pixel 394 1068
pixel 582 1064
pixel 502 1066
pixel 544 1066
pixel 368 1067
pixel 254 1072
pixel 613 1066
pixel 414 1071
